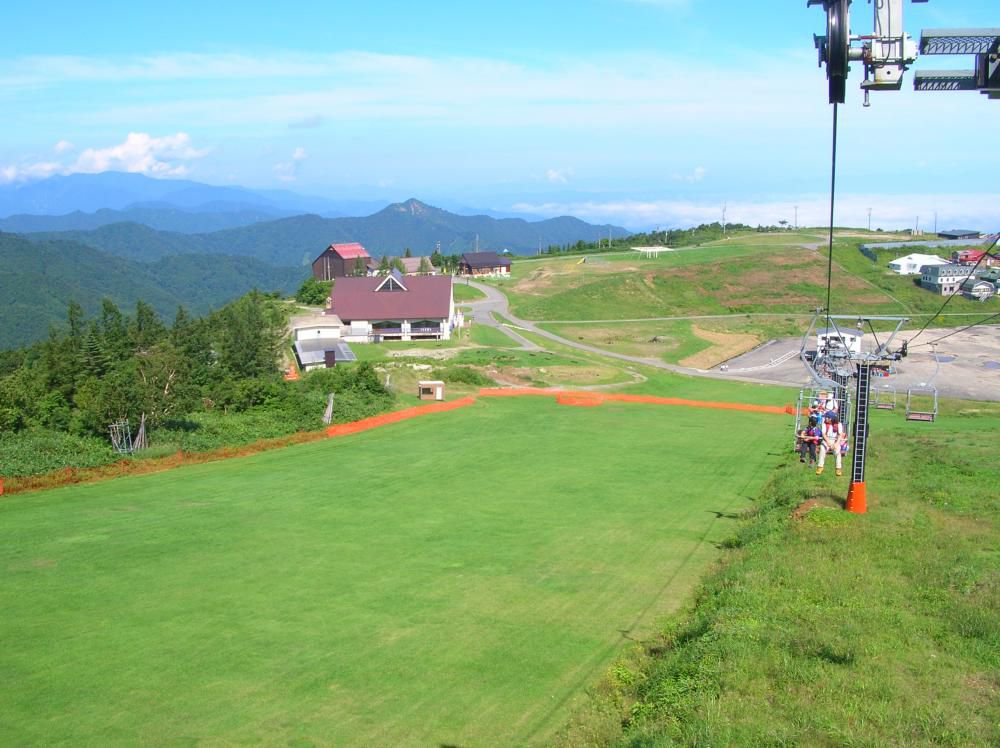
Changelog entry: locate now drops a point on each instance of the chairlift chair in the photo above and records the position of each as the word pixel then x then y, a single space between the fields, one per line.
pixel 924 390
pixel 912 413
pixel 885 397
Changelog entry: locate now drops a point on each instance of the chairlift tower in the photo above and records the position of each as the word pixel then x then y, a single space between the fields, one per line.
pixel 833 366
pixel 886 53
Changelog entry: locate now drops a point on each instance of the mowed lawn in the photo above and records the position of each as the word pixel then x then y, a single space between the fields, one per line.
pixel 455 579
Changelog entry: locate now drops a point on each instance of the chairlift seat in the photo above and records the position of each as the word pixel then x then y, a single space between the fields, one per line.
pixel 915 416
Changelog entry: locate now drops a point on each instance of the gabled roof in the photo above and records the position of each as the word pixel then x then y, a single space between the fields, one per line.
pixel 484 260
pixel 392 282
pixel 411 265
pixel 925 259
pixel 350 251
pixel 426 297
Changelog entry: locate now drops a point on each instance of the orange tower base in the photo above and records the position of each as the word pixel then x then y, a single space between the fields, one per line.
pixel 856 501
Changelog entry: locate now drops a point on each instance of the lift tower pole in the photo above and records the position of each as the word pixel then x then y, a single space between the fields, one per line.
pixel 856 499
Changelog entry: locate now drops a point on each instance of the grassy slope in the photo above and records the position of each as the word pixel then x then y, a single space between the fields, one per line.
pixel 748 274
pixel 381 589
pixel 839 629
pixel 465 292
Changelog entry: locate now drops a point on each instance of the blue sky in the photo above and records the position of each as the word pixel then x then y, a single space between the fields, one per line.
pixel 641 112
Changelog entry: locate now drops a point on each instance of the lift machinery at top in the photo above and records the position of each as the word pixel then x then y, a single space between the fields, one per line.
pixel 888 51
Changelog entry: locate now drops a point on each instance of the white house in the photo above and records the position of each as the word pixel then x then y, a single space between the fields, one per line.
pixel 911 264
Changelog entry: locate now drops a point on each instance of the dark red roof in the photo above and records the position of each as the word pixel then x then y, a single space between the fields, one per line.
pixel 485 260
pixel 427 297
pixel 349 251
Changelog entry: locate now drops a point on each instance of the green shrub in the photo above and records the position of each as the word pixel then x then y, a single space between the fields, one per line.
pixel 38 451
pixel 462 375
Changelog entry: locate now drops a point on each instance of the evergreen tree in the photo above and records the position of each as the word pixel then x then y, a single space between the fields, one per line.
pixel 407 252
pixel 425 266
pixel 147 330
pixel 250 335
pixel 114 332
pixel 383 265
pixel 93 351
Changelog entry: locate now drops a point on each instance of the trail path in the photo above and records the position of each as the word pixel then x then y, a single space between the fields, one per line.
pixel 495 305
pixel 775 362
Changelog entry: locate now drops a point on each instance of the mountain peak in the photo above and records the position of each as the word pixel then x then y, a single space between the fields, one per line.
pixel 412 206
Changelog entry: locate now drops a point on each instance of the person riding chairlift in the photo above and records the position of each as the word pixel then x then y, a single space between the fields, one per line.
pixel 834 440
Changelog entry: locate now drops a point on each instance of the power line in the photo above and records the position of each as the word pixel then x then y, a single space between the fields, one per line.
pixel 937 314
pixel 963 329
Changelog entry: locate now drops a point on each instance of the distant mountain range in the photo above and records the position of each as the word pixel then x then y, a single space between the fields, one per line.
pixel 297 240
pixel 119 191
pixel 39 278
pixel 173 242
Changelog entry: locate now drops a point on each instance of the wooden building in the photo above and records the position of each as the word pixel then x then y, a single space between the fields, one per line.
pixel 341 261
pixel 483 263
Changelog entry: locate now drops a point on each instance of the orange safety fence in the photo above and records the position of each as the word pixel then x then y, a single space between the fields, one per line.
pixel 563 397
pixel 342 429
pixel 587 398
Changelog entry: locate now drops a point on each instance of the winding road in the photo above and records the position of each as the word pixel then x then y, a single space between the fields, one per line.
pixel 488 311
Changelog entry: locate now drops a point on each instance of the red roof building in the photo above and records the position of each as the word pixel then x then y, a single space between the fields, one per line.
pixel 393 307
pixel 341 260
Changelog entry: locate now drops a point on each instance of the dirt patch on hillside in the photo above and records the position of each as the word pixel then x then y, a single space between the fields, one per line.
pixel 562 277
pixel 804 508
pixel 436 353
pixel 725 345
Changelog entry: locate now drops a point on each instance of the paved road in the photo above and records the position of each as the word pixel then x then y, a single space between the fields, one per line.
pixel 496 304
pixel 970 369
pixel 483 313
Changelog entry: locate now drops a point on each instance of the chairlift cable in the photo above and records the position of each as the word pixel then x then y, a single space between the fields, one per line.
pixel 963 329
pixel 833 192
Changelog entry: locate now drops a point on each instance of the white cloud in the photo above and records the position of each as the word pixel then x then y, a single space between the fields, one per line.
pixel 558 176
pixel 696 175
pixel 288 171
pixel 28 172
pixel 888 212
pixel 140 153
pixel 144 154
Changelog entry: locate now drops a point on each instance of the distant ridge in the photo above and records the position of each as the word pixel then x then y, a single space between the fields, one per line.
pixel 39 278
pixel 296 240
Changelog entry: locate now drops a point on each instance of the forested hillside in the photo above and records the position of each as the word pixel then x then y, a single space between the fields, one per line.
pixel 38 279
pixel 199 383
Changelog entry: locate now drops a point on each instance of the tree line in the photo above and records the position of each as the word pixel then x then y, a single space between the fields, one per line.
pixel 183 377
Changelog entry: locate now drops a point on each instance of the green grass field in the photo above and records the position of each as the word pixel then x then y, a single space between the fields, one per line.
pixel 837 629
pixel 457 579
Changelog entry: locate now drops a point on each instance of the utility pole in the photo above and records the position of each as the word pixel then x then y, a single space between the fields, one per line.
pixel 477 242
pixel 935 221
pixel 916 228
pixel 796 217
pixel 869 220
pixel 724 218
